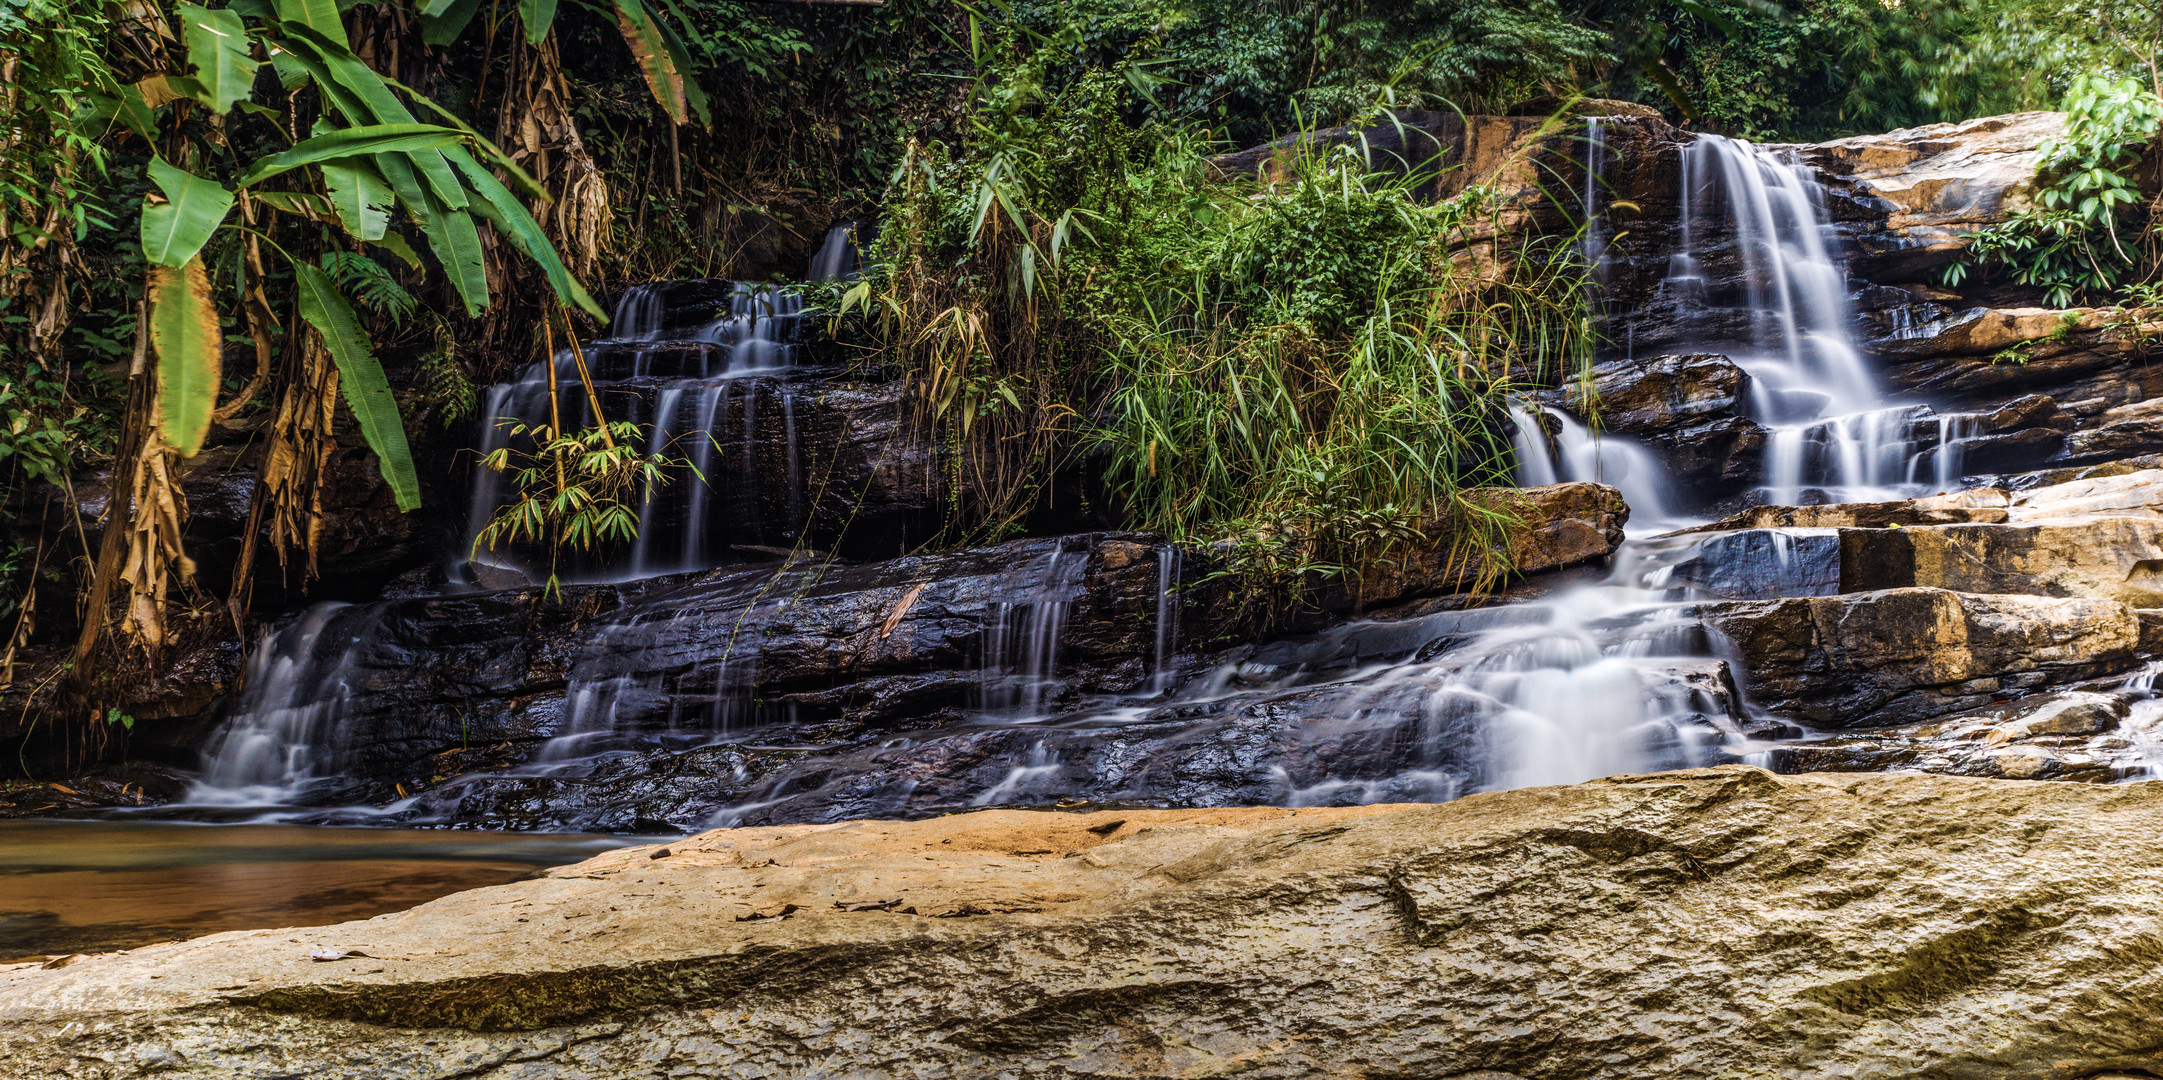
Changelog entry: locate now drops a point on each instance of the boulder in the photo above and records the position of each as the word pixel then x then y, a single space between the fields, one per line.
pixel 1930 186
pixel 1696 925
pixel 2112 558
pixel 1559 526
pixel 1897 656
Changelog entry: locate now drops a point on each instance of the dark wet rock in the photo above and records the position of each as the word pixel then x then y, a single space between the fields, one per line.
pixel 2070 735
pixel 1318 743
pixel 803 643
pixel 1692 409
pixel 1903 655
pixel 126 784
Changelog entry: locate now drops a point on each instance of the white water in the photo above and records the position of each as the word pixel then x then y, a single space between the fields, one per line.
pixel 277 744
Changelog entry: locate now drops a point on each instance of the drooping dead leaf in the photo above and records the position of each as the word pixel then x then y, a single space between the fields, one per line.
pixel 901 608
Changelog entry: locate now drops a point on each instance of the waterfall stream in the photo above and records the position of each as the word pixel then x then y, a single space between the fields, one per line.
pixel 1606 676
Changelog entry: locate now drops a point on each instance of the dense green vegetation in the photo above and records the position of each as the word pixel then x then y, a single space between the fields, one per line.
pixel 268 219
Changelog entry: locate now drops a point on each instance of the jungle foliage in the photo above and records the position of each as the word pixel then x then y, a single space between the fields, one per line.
pixel 267 219
pixel 1303 373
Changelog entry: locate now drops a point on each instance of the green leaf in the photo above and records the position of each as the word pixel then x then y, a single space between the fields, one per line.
pixel 655 59
pixel 124 105
pixel 456 243
pixel 396 245
pixel 359 93
pixel 509 216
pixel 174 230
pixel 694 95
pixel 320 16
pixel 360 195
pixel 294 202
pixel 367 391
pixel 218 47
pixel 538 16
pixel 184 331
pixel 444 29
pixel 347 142
pixel 292 72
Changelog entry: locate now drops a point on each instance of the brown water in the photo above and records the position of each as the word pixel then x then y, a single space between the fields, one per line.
pixel 68 886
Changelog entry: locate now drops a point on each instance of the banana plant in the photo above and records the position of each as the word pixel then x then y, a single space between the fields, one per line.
pixel 373 158
pixel 662 55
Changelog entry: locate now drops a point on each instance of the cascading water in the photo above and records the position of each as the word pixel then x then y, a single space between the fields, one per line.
pixel 1615 676
pixel 697 390
pixel 276 745
pixel 1833 436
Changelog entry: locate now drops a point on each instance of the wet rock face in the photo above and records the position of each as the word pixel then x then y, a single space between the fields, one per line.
pixel 1692 409
pixel 1903 655
pixel 2070 735
pixel 806 642
pixel 1804 926
pixel 1935 184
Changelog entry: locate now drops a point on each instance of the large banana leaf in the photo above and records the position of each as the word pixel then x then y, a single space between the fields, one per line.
pixel 184 331
pixel 538 16
pixel 174 230
pixel 359 93
pixel 367 391
pixel 218 47
pixel 456 242
pixel 444 27
pixel 509 216
pixel 362 198
pixel 320 16
pixel 403 138
pixel 643 33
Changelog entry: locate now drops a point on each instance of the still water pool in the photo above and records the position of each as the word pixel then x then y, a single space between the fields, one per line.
pixel 95 886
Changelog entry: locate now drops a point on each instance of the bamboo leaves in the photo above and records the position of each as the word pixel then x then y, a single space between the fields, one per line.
pixel 218 46
pixel 175 229
pixel 184 331
pixel 367 391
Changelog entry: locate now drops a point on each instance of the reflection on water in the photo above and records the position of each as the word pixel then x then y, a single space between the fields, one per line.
pixel 97 886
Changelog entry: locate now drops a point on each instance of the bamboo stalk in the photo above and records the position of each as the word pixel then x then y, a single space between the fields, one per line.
pixel 579 354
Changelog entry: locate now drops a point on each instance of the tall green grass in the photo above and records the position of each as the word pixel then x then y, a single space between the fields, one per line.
pixel 1306 371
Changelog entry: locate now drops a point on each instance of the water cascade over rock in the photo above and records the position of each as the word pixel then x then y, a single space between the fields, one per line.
pixel 762 656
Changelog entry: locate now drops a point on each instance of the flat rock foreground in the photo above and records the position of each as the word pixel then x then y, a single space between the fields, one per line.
pixel 1717 923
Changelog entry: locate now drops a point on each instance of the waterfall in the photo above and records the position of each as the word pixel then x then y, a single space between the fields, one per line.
pixel 1169 566
pixel 690 361
pixel 1832 434
pixel 277 743
pixel 1021 642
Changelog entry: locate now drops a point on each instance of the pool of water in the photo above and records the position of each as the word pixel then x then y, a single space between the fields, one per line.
pixel 96 886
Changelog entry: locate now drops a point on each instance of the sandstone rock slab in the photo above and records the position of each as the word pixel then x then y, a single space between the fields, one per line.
pixel 1693 925
pixel 1903 655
